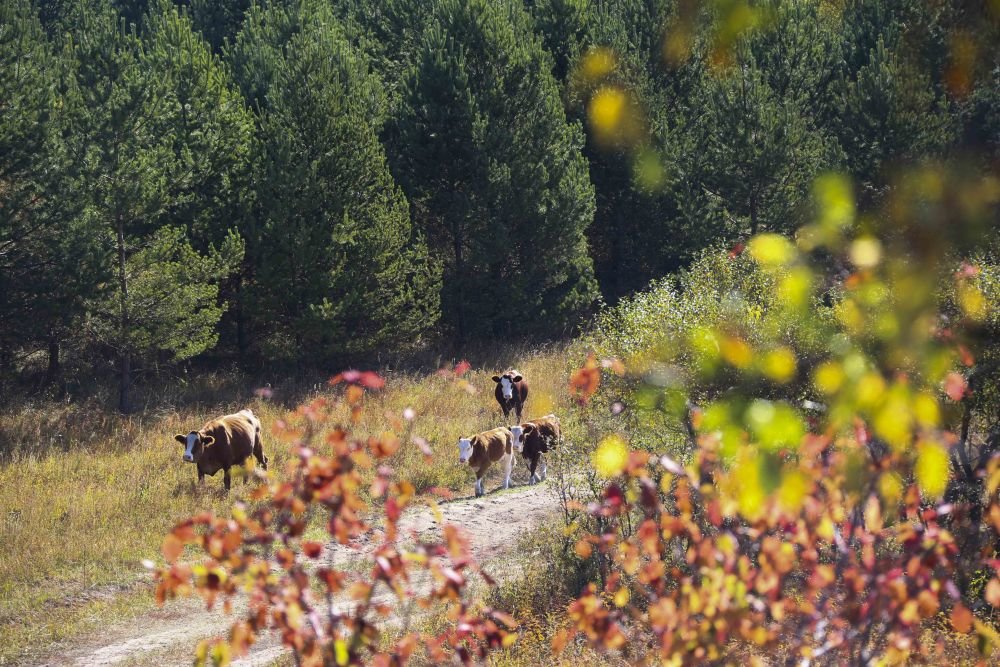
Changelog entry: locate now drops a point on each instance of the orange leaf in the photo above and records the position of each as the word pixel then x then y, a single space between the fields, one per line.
pixel 993 592
pixel 583 383
pixel 954 386
pixel 172 548
pixel 961 618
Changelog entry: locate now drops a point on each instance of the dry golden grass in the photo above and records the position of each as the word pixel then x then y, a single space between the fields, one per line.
pixel 87 494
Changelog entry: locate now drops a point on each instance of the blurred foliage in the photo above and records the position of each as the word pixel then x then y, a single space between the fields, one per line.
pixel 830 481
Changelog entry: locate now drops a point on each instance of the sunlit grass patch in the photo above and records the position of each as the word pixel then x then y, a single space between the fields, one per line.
pixel 86 494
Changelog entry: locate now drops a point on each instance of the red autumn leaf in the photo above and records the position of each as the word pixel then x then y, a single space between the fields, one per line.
pixel 967 270
pixel 312 549
pixel 961 618
pixel 392 511
pixel 367 379
pixel 462 367
pixel 737 250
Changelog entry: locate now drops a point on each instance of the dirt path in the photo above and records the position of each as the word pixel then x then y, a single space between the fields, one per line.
pixel 167 636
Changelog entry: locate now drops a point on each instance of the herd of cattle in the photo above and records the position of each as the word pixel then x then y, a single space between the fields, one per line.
pixel 229 441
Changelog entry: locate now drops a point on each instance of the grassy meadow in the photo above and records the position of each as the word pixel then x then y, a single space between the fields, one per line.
pixel 86 494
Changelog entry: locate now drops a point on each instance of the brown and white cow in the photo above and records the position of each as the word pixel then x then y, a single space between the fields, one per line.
pixel 511 392
pixel 484 449
pixel 534 438
pixel 223 443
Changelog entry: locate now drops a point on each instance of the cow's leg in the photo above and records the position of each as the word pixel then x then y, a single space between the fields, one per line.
pixel 227 478
pixel 201 478
pixel 258 451
pixel 510 466
pixel 532 464
pixel 545 470
pixel 479 484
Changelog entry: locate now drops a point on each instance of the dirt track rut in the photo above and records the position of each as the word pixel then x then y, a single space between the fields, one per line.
pixel 167 636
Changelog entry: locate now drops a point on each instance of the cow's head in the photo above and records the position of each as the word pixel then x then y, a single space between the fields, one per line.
pixel 517 432
pixel 507 381
pixel 464 450
pixel 194 445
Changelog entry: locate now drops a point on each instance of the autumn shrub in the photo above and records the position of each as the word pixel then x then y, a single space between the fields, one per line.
pixel 829 494
pixel 261 551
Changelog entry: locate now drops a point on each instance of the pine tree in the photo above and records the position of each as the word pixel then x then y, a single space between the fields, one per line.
pixel 339 268
pixel 495 173
pixel 156 136
pixel 763 151
pixel 889 112
pixel 49 254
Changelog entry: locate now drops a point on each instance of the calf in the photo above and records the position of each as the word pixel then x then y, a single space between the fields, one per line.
pixel 483 450
pixel 533 439
pixel 511 393
pixel 223 443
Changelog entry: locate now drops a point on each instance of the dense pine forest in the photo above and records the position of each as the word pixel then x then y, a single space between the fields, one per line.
pixel 318 180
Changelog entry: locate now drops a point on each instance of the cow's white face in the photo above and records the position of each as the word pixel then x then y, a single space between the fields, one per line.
pixel 194 445
pixel 464 450
pixel 507 387
pixel 190 445
pixel 192 442
pixel 517 432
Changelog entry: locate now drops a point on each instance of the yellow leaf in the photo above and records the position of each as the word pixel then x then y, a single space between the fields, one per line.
pixel 340 653
pixel 607 110
pixel 890 487
pixel 866 252
pixel 870 389
pixel 771 250
pixel 972 301
pixel 610 457
pixel 793 490
pixel 597 63
pixel 779 364
pixel 828 377
pixel 926 410
pixel 221 654
pixel 835 202
pixel 621 597
pixel 736 352
pixel 795 287
pixel 893 423
pixel 931 469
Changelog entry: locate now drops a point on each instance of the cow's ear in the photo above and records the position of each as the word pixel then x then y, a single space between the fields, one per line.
pixel 518 378
pixel 181 439
pixel 496 378
pixel 207 441
pixel 528 428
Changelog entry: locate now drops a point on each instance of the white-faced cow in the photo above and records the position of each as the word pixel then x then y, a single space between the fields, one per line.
pixel 511 393
pixel 484 449
pixel 533 439
pixel 223 443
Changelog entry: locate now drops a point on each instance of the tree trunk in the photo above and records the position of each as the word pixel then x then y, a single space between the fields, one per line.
pixel 54 370
pixel 125 359
pixel 241 331
pixel 459 286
